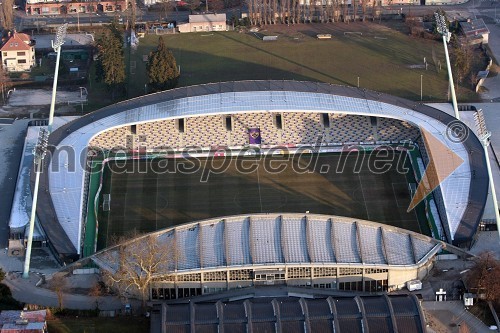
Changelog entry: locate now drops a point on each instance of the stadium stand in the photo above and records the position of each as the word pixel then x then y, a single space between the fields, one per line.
pixel 295 128
pixel 392 129
pixel 292 249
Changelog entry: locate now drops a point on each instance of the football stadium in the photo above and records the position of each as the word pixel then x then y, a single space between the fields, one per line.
pixel 265 182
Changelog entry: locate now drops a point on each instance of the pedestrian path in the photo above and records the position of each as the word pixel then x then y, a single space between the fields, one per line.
pixel 460 315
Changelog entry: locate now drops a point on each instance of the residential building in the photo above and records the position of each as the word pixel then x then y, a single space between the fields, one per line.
pixel 475 30
pixel 18 53
pixel 43 7
pixel 15 321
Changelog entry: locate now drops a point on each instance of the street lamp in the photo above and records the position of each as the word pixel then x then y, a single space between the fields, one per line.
pixel 41 146
pixel 442 28
pixel 484 136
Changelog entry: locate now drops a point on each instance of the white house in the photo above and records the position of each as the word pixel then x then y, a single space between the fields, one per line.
pixel 18 53
pixel 203 23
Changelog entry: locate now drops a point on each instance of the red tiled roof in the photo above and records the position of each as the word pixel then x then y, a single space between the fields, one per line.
pixel 17 42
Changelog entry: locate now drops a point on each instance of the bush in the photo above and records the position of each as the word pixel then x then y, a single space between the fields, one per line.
pixel 74 313
pixel 4 291
pixel 7 302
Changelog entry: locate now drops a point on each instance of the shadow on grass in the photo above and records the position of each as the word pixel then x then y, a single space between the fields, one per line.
pixel 202 67
pixel 287 60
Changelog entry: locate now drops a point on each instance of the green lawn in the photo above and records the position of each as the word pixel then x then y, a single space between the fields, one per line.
pixel 98 325
pixel 381 57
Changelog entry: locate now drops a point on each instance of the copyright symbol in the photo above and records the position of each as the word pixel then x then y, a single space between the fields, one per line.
pixel 457 132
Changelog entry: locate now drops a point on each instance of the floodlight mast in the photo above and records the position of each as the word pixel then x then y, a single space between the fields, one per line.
pixel 41 147
pixel 56 45
pixel 39 153
pixel 442 28
pixel 484 135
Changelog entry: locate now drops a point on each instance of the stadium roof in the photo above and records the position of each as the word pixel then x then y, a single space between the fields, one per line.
pixel 61 208
pixel 305 313
pixel 275 240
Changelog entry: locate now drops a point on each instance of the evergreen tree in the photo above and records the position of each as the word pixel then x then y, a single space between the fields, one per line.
pixel 111 62
pixel 162 68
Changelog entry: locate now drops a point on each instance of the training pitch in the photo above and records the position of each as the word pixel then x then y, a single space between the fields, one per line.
pixel 148 195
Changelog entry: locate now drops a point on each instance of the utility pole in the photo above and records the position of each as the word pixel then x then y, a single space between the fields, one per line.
pixel 421 87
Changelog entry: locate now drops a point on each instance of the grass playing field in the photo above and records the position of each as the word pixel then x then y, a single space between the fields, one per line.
pixel 329 183
pixel 383 56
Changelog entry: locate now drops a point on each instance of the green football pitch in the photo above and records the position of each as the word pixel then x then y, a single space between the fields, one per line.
pixel 148 195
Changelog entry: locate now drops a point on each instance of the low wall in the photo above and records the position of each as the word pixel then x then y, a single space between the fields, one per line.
pixel 83 271
pixel 481 81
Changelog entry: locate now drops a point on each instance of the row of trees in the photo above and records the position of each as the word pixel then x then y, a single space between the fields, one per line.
pixel 162 69
pixel 262 12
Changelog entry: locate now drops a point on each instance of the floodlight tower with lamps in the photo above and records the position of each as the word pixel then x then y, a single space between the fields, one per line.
pixel 39 151
pixel 41 147
pixel 442 28
pixel 56 45
pixel 484 135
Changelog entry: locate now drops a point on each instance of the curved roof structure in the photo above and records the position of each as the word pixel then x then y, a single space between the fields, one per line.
pixel 61 208
pixel 273 240
pixel 316 313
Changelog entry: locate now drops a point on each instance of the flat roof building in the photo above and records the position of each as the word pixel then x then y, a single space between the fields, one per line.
pixel 204 23
pixel 475 28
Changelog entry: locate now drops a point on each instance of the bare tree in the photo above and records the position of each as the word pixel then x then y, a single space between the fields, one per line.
pixel 133 14
pixel 168 6
pixel 300 11
pixel 293 11
pixel 59 285
pixel 275 11
pixel 5 84
pixel 7 14
pixel 283 12
pixel 193 4
pixel 336 10
pixel 363 8
pixel 96 291
pixel 355 11
pixel 344 10
pixel 484 276
pixel 215 5
pixel 461 59
pixel 136 263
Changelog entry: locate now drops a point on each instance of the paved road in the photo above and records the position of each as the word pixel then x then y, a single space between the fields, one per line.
pixel 24 290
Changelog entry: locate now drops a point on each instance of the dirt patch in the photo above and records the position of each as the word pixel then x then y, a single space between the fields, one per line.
pixel 434 323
